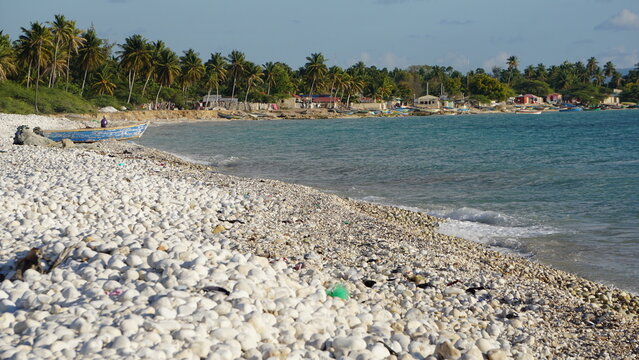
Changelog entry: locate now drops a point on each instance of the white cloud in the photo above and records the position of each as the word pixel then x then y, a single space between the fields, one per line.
pixel 625 20
pixel 497 60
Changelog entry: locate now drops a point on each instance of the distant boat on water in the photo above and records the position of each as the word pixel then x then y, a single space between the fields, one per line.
pixel 90 135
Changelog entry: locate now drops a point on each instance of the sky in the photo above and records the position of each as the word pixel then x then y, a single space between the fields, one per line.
pixel 465 34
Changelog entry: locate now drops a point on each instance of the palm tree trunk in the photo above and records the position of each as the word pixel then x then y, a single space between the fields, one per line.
pixel 247 91
pixel 55 61
pixel 146 83
pixel 128 100
pixel 66 87
pixel 217 95
pixel 233 92
pixel 84 79
pixel 310 96
pixel 29 75
pixel 208 97
pixel 37 82
pixel 157 96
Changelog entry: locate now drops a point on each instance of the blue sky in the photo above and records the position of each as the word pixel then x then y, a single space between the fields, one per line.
pixel 385 33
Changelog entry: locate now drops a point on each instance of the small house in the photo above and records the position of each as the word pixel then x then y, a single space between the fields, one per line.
pixel 427 101
pixel 554 98
pixel 527 99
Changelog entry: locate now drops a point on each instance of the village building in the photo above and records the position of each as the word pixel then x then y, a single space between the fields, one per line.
pixel 427 101
pixel 527 99
pixel 612 99
pixel 554 98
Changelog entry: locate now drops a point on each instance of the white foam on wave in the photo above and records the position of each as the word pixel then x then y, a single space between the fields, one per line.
pixel 507 238
pixel 475 215
pixel 223 160
pixel 501 231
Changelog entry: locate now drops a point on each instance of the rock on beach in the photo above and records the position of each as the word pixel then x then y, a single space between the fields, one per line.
pixel 148 275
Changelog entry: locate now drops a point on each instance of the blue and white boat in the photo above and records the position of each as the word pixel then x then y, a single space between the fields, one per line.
pixel 90 135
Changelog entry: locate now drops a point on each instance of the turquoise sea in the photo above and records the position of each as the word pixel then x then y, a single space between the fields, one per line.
pixel 559 188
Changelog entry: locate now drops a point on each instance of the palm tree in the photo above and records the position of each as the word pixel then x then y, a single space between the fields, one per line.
pixel 315 69
pixel 73 42
pixel 135 55
pixel 7 59
pixel 354 86
pixel 269 75
pixel 541 72
pixel 237 66
pixel 253 75
pixel 91 55
pixel 530 72
pixel 38 39
pixel 592 68
pixel 103 85
pixel 167 69
pixel 512 63
pixel 333 76
pixel 385 89
pixel 192 69
pixel 62 31
pixel 609 70
pixel 216 67
pixel 25 57
pixel 149 68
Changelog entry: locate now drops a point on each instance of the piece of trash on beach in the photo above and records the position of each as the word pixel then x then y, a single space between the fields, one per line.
pixel 121 164
pixel 116 292
pixel 369 283
pixel 216 289
pixel 473 290
pixel 298 266
pixel 338 291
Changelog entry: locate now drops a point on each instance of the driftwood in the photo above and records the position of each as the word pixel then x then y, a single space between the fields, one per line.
pixel 62 257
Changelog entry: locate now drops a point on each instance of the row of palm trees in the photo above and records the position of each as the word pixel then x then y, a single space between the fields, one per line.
pixel 58 54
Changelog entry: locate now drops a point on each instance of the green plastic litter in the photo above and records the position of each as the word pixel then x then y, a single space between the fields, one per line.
pixel 338 291
pixel 121 164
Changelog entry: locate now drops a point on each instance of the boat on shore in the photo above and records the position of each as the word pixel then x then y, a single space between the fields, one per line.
pixel 90 135
pixel 532 112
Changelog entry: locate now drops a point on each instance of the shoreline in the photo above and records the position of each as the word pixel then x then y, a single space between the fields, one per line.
pixel 518 309
pixel 172 116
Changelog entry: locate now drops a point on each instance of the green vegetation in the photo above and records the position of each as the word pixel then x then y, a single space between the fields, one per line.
pixel 17 99
pixel 56 67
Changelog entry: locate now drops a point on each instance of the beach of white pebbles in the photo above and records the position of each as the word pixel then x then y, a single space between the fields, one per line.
pixel 171 260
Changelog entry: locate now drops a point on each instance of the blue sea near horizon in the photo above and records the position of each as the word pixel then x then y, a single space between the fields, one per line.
pixel 559 188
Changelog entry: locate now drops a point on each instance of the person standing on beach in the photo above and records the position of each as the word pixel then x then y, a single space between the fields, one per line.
pixel 104 122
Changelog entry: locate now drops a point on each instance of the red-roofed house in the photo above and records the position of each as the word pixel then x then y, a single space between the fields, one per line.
pixel 528 99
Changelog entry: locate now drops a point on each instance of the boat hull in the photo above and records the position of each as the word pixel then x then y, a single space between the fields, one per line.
pixel 97 134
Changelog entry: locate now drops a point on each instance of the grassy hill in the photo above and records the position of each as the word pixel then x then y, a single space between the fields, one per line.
pixel 16 99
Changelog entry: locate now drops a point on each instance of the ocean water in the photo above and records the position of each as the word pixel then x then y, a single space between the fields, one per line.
pixel 559 188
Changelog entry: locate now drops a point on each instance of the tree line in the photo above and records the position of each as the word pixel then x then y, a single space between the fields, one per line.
pixel 57 54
